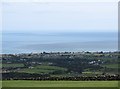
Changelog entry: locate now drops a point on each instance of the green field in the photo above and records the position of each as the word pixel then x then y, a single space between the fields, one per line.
pixel 25 83
pixel 111 66
pixel 13 65
pixel 42 69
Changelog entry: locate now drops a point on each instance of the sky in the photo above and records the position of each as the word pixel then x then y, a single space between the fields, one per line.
pixel 59 16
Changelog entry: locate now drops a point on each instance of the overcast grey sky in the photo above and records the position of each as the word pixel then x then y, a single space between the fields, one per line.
pixel 62 16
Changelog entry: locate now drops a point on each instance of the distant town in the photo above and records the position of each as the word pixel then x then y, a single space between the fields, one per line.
pixel 61 66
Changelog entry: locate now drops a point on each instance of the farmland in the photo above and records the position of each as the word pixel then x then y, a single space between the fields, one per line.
pixel 24 83
pixel 12 65
pixel 61 66
pixel 88 69
pixel 42 69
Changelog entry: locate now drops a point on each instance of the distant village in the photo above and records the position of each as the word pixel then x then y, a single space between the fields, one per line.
pixel 60 64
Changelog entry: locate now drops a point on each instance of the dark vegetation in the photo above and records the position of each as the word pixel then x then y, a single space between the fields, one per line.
pixel 61 66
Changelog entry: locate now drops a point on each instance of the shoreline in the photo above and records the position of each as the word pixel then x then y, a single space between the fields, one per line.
pixel 59 52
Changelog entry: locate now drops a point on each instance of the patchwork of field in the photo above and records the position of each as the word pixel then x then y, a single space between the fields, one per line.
pixel 60 64
pixel 42 69
pixel 25 83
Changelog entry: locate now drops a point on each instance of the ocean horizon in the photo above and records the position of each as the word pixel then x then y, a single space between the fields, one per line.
pixel 58 42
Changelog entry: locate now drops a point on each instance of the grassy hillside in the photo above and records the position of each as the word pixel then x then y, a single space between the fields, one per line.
pixel 13 65
pixel 42 69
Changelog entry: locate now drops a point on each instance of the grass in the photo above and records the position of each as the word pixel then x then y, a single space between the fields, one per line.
pixel 42 69
pixel 25 83
pixel 113 66
pixel 50 67
pixel 90 73
pixel 13 65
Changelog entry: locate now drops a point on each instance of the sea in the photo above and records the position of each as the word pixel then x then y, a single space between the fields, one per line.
pixel 35 42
